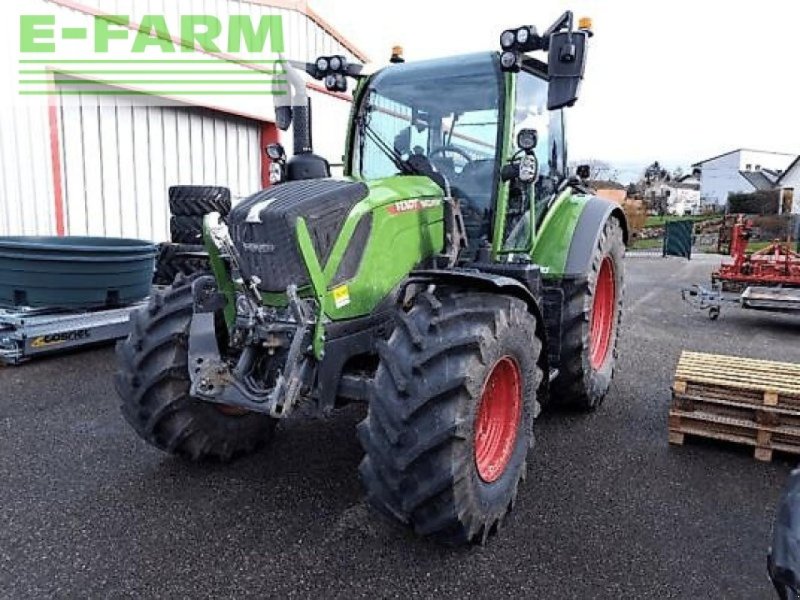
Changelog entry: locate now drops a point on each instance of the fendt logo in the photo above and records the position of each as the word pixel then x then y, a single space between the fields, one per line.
pixel 161 57
pixel 40 33
pixel 413 205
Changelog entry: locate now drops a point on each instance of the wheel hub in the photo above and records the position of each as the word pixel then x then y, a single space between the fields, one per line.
pixel 498 419
pixel 601 326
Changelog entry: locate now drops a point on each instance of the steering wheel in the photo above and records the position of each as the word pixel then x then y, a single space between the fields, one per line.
pixel 450 148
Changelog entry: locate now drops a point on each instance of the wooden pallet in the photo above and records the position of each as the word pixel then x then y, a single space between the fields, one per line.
pixel 740 400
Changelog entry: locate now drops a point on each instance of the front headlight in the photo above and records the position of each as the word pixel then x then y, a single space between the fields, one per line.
pixel 528 168
pixel 507 39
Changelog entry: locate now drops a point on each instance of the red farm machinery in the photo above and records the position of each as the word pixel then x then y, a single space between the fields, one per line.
pixel 766 279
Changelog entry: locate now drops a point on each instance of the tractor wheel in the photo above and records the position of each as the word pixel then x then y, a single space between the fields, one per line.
pixel 590 326
pixel 186 230
pixel 199 200
pixel 179 258
pixel 451 417
pixel 153 384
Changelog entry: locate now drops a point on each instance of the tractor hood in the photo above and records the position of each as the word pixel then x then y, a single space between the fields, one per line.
pixel 264 226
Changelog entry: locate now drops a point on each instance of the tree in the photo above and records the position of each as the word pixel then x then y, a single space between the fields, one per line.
pixel 652 179
pixel 655 172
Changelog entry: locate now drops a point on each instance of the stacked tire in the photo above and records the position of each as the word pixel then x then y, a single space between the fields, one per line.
pixel 185 254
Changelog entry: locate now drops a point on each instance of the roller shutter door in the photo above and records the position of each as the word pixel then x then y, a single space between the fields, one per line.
pixel 120 156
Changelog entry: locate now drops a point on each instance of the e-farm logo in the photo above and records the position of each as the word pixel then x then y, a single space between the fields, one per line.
pixel 193 54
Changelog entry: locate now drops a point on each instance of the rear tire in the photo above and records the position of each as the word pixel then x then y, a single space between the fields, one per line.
pixel 450 421
pixel 153 383
pixel 199 200
pixel 590 326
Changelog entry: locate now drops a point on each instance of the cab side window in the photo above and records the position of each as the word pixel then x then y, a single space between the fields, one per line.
pixel 531 113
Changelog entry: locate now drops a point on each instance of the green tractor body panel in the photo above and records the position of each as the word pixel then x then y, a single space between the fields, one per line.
pixel 407 227
pixel 553 239
pixel 506 151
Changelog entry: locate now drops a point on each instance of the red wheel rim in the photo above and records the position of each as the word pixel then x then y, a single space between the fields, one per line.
pixel 498 419
pixel 601 327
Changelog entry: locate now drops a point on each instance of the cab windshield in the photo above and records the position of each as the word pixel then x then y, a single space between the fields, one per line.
pixel 445 114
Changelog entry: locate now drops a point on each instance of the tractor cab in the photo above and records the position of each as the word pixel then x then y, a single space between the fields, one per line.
pixel 441 118
pixel 448 119
pixel 487 128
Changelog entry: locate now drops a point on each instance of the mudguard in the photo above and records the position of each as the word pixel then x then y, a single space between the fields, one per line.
pixel 587 233
pixel 570 231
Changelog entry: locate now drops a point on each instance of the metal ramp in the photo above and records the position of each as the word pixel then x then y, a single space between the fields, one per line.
pixel 765 298
pixel 771 298
pixel 27 333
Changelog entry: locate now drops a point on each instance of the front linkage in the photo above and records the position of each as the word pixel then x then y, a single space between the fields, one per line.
pixel 274 345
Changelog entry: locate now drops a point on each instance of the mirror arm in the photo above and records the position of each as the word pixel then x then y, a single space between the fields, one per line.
pixel 563 22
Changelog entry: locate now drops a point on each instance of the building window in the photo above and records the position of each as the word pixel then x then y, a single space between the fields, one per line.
pixel 758 167
pixel 748 167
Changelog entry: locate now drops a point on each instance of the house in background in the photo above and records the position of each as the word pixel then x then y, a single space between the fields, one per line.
pixel 674 196
pixel 683 197
pixel 740 171
pixel 789 183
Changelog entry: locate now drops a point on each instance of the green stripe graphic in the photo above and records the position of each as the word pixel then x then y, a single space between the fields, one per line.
pixel 150 93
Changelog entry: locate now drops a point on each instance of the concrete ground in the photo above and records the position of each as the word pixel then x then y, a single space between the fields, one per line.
pixel 609 510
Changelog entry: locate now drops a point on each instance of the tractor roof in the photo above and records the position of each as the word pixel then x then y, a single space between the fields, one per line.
pixel 474 74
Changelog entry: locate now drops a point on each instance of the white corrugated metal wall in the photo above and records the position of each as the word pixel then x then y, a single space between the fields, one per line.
pixel 120 156
pixel 26 183
pixel 104 148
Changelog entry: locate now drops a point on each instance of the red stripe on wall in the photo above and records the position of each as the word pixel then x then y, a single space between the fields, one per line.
pixel 55 155
pixel 269 135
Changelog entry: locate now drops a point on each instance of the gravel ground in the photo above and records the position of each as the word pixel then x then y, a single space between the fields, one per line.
pixel 609 510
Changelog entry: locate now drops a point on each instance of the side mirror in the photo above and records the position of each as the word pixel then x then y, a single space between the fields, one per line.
pixel 402 141
pixel 583 171
pixel 566 66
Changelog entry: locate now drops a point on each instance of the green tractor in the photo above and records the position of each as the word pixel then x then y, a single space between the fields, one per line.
pixel 456 280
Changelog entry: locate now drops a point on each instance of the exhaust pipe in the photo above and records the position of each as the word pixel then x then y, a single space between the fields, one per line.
pixel 294 108
pixel 300 110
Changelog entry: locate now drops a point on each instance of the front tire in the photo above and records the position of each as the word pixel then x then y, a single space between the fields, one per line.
pixel 450 421
pixel 153 383
pixel 591 320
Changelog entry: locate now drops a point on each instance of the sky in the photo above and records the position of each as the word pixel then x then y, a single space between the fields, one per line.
pixel 676 81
